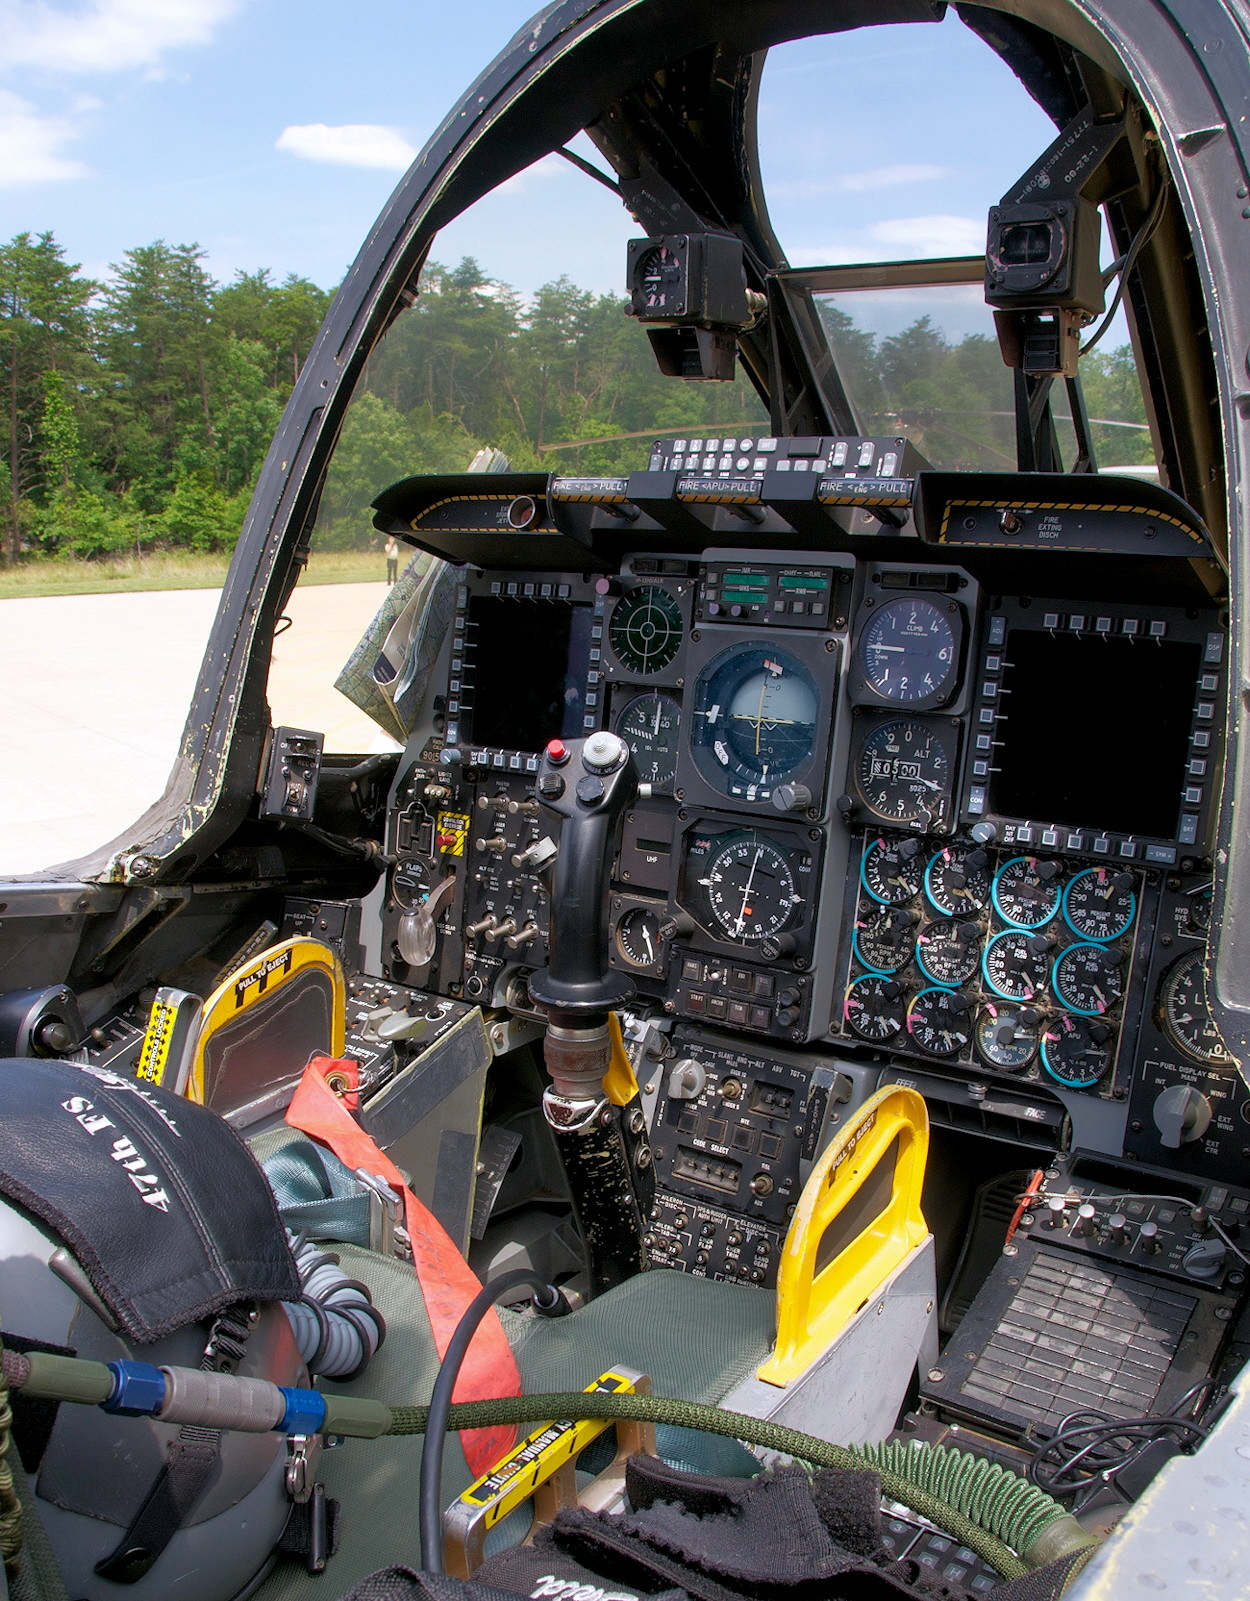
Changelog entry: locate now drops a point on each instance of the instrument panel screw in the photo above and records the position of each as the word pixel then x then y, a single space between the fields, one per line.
pixel 936 1375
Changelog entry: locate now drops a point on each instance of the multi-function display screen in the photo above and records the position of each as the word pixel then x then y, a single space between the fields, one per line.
pixel 526 663
pixel 1094 731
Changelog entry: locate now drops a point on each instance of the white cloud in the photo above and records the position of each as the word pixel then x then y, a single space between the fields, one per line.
pixel 30 144
pixel 931 236
pixel 104 35
pixel 890 177
pixel 353 144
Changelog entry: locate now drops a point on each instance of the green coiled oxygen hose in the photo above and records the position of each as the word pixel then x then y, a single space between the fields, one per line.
pixel 989 1509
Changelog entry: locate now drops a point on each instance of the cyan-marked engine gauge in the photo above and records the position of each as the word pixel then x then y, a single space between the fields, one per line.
pixel 875 1007
pixel 1026 891
pixel 1007 1036
pixel 907 652
pixel 1186 1014
pixel 882 941
pixel 1099 904
pixel 1015 964
pixel 939 1022
pixel 745 886
pixel 645 630
pixel 753 721
pixel 1088 978
pixel 948 951
pixel 890 870
pixel 904 769
pixel 957 880
pixel 1076 1051
pixel 650 725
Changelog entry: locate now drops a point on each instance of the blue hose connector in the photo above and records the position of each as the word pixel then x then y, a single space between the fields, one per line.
pixel 138 1390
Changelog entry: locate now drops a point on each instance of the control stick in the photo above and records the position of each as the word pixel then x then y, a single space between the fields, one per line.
pixel 588 784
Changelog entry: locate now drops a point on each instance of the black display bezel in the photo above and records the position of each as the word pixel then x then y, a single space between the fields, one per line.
pixel 669 677
pixel 1199 790
pixel 790 838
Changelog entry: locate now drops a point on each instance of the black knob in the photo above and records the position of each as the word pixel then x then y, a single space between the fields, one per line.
pixel 787 997
pixel 1200 1220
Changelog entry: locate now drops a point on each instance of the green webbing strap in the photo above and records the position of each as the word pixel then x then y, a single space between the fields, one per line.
pixel 757 1431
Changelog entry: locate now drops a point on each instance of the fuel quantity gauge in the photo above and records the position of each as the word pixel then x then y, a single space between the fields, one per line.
pixel 1186 1012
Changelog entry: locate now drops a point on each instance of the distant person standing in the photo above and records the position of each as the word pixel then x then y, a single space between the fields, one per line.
pixel 392 559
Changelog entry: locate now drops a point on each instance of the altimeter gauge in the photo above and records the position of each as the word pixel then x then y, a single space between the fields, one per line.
pixel 904 770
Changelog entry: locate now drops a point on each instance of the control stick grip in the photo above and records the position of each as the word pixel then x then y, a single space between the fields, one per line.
pixel 587 784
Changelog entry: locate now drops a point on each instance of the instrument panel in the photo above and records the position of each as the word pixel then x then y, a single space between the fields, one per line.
pixel 891 815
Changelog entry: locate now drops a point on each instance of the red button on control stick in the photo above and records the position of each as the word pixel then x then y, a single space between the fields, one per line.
pixel 556 753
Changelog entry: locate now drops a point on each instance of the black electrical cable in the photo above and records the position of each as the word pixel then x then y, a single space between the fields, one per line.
pixel 550 1302
pixel 1125 265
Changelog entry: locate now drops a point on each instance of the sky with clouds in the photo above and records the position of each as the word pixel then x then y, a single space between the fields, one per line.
pixel 272 131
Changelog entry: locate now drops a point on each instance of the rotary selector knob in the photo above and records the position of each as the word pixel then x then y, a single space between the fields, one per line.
pixel 792 798
pixel 603 751
pixel 1181 1114
pixel 688 1079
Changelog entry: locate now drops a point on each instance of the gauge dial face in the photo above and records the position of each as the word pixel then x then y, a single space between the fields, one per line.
pixel 1075 1051
pixel 957 881
pixel 947 952
pixel 749 886
pixel 875 1007
pixel 939 1022
pixel 754 720
pixel 1007 1036
pixel 1026 891
pixel 909 651
pixel 660 276
pixel 904 771
pixel 890 870
pixel 410 883
pixel 882 940
pixel 649 725
pixel 640 937
pixel 1088 978
pixel 1100 904
pixel 646 629
pixel 1013 965
pixel 1187 1019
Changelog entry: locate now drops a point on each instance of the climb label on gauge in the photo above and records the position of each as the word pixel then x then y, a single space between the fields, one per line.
pixel 908 651
pixel 1088 978
pixel 1100 904
pixel 904 770
pixel 890 870
pixel 957 881
pixel 746 886
pixel 754 720
pixel 875 1007
pixel 646 629
pixel 1026 891
pixel 650 725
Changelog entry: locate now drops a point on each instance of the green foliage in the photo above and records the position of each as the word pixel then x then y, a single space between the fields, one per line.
pixel 138 412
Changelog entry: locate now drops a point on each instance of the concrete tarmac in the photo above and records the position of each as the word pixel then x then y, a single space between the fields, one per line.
pixel 94 692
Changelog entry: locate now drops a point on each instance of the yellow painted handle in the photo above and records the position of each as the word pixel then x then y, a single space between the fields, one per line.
pixel 857 1221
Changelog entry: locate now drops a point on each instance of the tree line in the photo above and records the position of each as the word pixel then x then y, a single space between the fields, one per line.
pixel 137 411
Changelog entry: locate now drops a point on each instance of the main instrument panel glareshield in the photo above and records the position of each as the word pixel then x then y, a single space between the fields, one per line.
pixel 760 715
